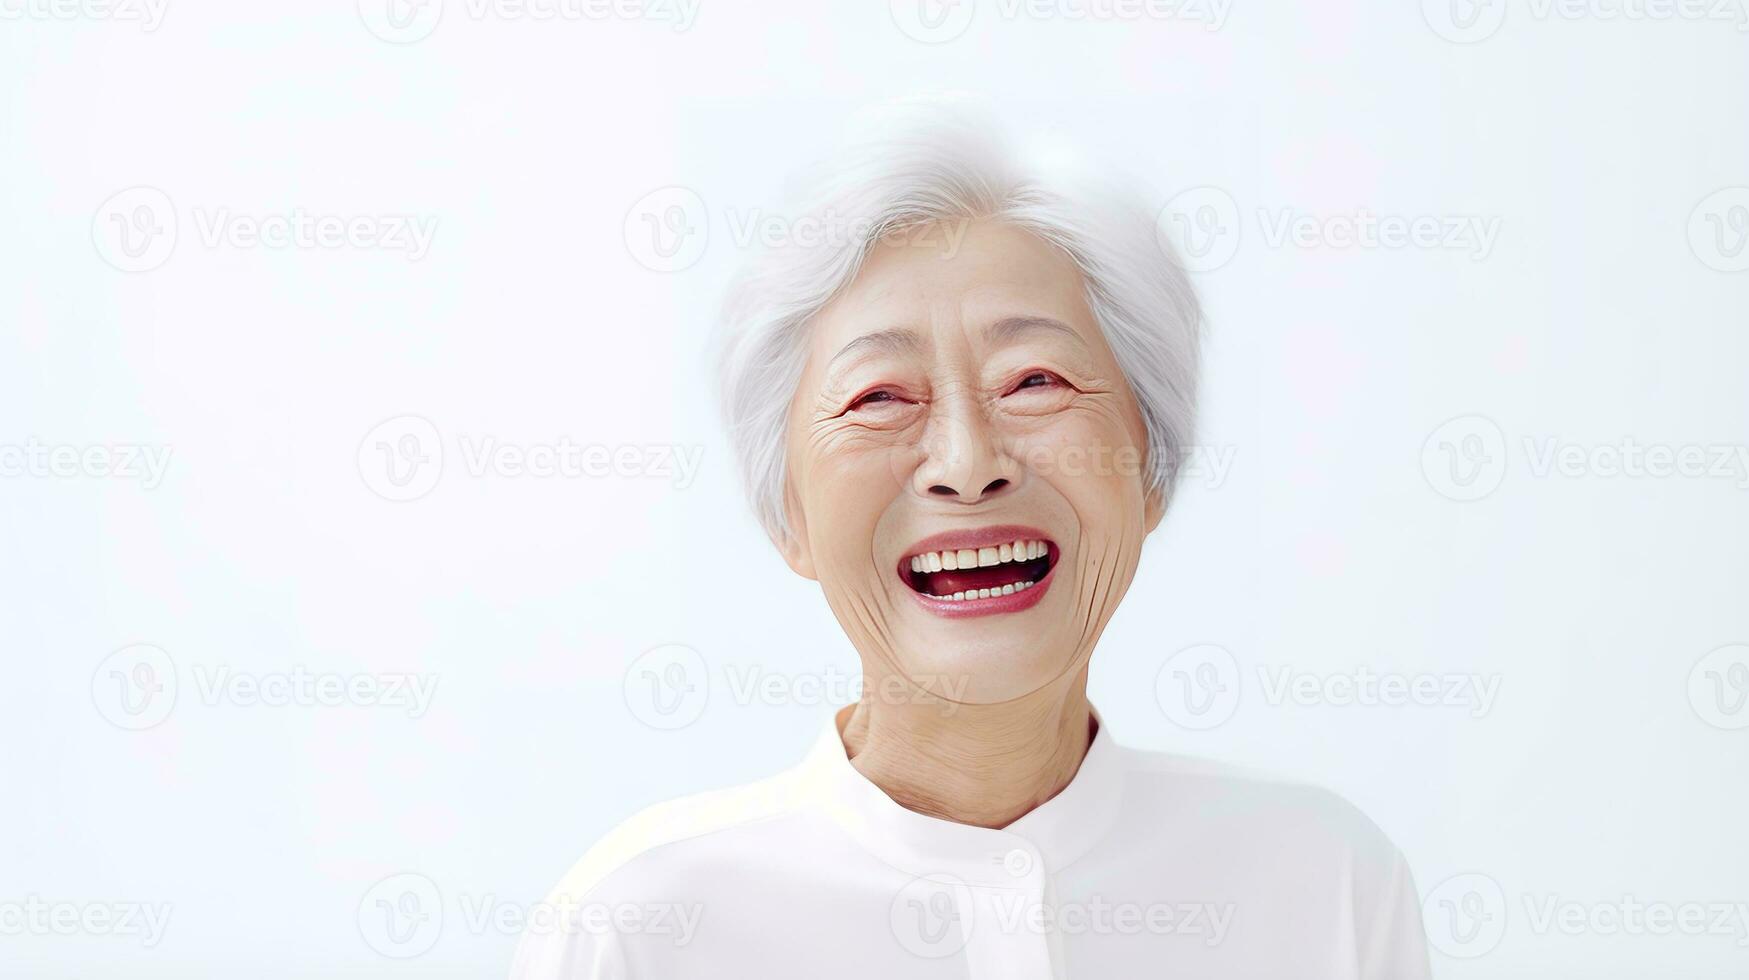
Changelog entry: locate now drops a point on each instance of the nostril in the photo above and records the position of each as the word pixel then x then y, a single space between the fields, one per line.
pixel 943 490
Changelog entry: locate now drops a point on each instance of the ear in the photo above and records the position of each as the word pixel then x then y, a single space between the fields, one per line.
pixel 793 545
pixel 1153 509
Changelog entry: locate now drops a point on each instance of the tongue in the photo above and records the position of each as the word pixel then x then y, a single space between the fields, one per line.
pixel 968 579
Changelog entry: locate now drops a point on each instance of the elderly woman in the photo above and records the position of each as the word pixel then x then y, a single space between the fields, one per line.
pixel 961 417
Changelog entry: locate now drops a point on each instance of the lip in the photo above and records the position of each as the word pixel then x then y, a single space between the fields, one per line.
pixel 979 538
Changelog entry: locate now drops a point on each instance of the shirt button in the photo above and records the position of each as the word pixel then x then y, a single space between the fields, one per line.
pixel 1018 862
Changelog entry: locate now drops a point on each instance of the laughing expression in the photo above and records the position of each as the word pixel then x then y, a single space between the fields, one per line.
pixel 966 470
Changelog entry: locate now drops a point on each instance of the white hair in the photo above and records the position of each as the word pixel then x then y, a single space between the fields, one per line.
pixel 920 163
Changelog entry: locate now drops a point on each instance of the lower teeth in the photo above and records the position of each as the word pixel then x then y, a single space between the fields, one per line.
pixel 984 593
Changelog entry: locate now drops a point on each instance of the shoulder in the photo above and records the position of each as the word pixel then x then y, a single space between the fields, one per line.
pixel 658 867
pixel 1276 841
pixel 1263 808
pixel 687 829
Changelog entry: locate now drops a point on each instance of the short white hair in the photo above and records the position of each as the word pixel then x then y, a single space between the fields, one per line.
pixel 918 163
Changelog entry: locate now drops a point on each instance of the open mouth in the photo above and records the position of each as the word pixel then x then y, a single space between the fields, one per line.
pixel 979 570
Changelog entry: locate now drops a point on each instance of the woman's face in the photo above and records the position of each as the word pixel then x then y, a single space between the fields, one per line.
pixel 967 465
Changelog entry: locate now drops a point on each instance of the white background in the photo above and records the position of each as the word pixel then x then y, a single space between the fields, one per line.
pixel 1606 311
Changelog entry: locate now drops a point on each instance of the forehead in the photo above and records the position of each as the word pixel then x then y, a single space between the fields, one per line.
pixel 948 276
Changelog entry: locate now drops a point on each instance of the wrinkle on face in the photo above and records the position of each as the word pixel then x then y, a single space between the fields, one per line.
pixel 941 343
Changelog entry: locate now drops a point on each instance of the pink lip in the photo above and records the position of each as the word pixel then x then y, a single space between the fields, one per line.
pixel 983 538
pixel 949 609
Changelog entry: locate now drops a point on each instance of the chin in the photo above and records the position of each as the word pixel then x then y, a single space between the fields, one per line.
pixel 990 659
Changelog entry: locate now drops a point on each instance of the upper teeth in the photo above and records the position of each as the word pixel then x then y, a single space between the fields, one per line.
pixel 935 561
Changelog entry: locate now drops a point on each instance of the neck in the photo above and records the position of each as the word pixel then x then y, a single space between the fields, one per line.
pixel 984 765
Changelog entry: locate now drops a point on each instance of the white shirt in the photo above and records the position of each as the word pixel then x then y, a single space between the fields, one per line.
pixel 1145 865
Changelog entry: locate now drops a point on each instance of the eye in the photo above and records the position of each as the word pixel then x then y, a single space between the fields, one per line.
pixel 1037 379
pixel 879 396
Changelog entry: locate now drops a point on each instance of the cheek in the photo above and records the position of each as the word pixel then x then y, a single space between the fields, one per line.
pixel 843 491
pixel 1089 455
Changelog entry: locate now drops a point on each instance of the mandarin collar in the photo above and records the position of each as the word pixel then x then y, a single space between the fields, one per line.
pixel 1055 834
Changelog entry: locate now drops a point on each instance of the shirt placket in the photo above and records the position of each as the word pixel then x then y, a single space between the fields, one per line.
pixel 1013 933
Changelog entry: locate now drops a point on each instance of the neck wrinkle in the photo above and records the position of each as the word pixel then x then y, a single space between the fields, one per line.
pixel 982 765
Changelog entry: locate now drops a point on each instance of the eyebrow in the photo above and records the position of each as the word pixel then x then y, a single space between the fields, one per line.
pixel 1010 329
pixel 901 340
pixel 893 340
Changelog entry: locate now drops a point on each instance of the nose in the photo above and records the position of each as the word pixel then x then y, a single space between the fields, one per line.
pixel 963 457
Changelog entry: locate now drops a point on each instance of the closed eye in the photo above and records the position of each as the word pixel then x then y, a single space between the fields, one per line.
pixel 878 398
